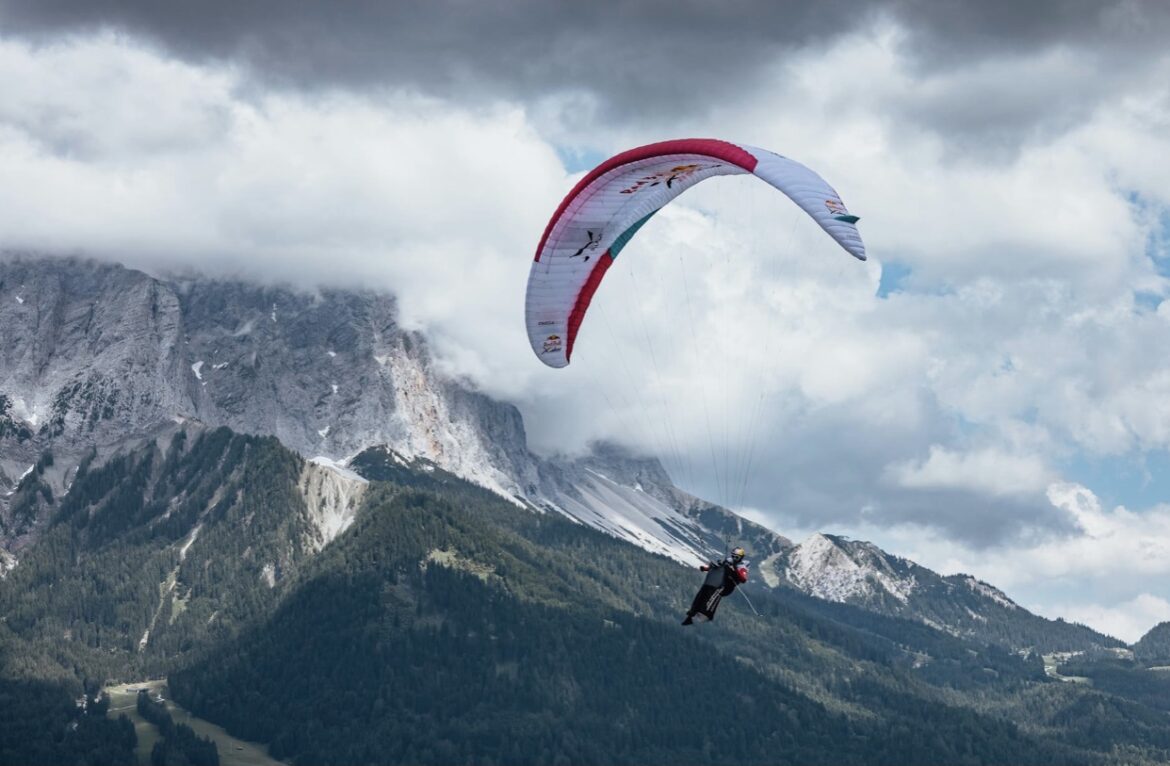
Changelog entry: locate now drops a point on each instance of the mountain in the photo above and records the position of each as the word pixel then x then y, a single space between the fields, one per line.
pixel 171 546
pixel 94 352
pixel 445 623
pixel 1154 646
pixel 97 356
pixel 98 360
pixel 855 572
pixel 430 590
pixel 447 626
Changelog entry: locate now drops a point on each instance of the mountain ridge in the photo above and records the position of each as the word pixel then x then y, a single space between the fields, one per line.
pixel 198 555
pixel 860 573
pixel 329 373
pixel 101 358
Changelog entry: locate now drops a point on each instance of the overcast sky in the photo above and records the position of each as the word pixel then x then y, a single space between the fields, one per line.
pixel 990 393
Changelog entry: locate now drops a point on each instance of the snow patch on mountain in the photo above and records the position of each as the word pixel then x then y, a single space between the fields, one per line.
pixel 991 592
pixel 24 412
pixel 632 515
pixel 190 541
pixel 19 479
pixel 7 563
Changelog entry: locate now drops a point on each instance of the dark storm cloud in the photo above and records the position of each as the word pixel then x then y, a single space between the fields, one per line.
pixel 660 60
pixel 952 32
pixel 647 59
pixel 994 75
pixel 646 55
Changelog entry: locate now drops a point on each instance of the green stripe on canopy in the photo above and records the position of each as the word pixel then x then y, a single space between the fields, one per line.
pixel 625 237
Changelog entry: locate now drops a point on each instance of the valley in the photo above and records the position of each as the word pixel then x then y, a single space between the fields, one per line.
pixel 232 751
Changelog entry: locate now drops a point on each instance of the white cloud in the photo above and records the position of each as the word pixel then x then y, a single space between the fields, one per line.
pixel 1128 621
pixel 108 150
pixel 731 332
pixel 1110 572
pixel 987 471
pixel 1019 334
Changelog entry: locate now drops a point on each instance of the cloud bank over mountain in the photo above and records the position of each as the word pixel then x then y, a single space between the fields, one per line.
pixel 1010 164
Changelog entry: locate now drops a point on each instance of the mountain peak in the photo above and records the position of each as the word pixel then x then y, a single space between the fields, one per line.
pixel 985 589
pixel 859 573
pixel 1154 646
pixel 94 353
pixel 837 569
pixel 98 357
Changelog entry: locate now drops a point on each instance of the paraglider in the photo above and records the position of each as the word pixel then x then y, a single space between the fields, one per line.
pixel 598 219
pixel 613 201
pixel 722 579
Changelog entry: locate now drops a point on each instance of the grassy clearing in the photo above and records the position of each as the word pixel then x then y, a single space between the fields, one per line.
pixel 453 560
pixel 232 751
pixel 1052 669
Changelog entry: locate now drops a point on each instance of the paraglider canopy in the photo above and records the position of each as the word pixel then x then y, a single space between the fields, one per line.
pixel 607 207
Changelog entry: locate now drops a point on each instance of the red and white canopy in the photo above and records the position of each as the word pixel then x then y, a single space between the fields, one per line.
pixel 605 210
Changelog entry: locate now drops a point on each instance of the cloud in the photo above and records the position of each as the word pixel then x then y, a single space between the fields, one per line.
pixel 1107 569
pixel 1128 621
pixel 956 31
pixel 987 470
pixel 668 57
pixel 1011 161
pixel 111 151
pixel 1117 539
pixel 615 62
pixel 732 338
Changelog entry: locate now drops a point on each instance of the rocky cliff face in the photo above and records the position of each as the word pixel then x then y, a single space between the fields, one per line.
pixel 93 355
pixel 88 355
pixel 93 352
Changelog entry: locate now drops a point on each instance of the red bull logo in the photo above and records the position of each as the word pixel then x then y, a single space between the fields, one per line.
pixel 552 344
pixel 677 173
